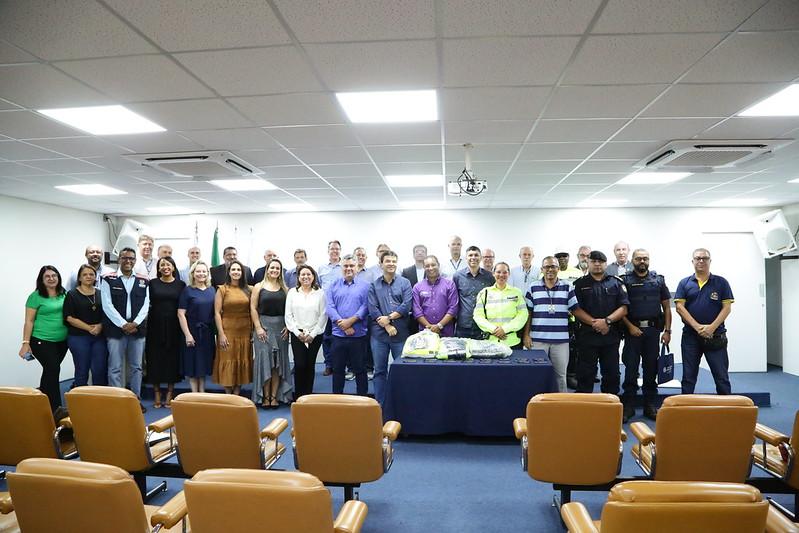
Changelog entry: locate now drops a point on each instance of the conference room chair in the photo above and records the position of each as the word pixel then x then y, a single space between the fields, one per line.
pixel 28 428
pixel 679 507
pixel 109 428
pixel 50 495
pixel 342 440
pixel 572 440
pixel 221 431
pixel 776 455
pixel 8 518
pixel 266 500
pixel 698 437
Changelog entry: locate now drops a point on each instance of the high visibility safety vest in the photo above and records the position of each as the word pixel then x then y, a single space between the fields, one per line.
pixel 505 308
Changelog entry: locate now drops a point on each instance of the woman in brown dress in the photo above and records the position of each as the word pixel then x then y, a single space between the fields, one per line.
pixel 233 362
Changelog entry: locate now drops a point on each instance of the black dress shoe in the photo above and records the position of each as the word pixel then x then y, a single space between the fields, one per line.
pixel 143 408
pixel 650 412
pixel 328 371
pixel 629 412
pixel 571 382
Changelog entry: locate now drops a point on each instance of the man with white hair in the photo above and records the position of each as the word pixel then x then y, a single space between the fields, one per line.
pixel 622 265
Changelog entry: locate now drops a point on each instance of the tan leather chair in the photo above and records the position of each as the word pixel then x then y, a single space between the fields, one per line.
pixel 8 518
pixel 341 439
pixel 28 428
pixel 698 437
pixel 76 496
pixel 776 454
pixel 255 500
pixel 572 440
pixel 679 507
pixel 109 428
pixel 221 431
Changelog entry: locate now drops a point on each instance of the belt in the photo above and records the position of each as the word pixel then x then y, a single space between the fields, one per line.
pixel 645 323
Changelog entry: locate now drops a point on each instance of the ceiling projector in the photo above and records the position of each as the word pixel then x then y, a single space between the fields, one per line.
pixel 466 183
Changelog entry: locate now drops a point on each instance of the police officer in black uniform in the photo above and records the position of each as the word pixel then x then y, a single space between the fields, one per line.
pixel 602 301
pixel 648 314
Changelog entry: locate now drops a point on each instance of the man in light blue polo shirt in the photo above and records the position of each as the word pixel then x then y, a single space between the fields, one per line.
pixel 329 273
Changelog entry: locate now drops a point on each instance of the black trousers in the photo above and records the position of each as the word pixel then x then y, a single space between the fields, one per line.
pixel 304 364
pixel 643 350
pixel 349 352
pixel 608 357
pixel 50 354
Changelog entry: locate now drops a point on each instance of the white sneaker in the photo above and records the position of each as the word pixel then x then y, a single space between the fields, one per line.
pixel 349 376
pixel 370 375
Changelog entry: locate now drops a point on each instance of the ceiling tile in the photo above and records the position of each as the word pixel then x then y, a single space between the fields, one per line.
pixel 29 125
pixel 484 152
pixel 557 150
pixel 292 184
pixel 65 166
pixel 43 87
pixel 483 131
pixel 398 154
pixel 293 171
pixel 359 20
pixel 667 16
pixel 267 157
pixel 155 142
pixel 576 130
pixel 752 128
pixel 18 151
pixel 471 18
pixel 376 66
pixel 252 71
pixel 414 133
pixel 346 171
pixel 614 59
pixel 80 147
pixel 756 57
pixel 543 167
pixel 341 183
pixel 66 30
pixel 414 168
pixel 505 61
pixel 482 170
pixel 525 179
pixel 593 179
pixel 606 166
pixel 290 109
pixel 10 54
pixel 5 105
pixel 710 100
pixel 664 129
pixel 231 139
pixel 627 150
pixel 191 114
pixel 332 156
pixel 13 170
pixel 510 103
pixel 776 15
pixel 609 101
pixel 314 136
pixel 137 78
pixel 204 24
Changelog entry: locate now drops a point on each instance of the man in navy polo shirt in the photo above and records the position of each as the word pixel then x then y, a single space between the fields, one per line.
pixel 704 301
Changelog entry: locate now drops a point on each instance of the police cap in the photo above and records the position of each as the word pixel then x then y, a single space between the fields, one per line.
pixel 596 255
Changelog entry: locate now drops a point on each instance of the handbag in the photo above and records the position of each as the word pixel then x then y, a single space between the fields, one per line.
pixel 665 365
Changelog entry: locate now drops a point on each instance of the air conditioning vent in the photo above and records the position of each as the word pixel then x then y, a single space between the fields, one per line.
pixel 202 166
pixel 709 155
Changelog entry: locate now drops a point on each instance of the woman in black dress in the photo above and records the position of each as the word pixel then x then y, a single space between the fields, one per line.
pixel 164 338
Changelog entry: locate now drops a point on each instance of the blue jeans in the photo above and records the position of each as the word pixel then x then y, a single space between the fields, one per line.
pixel 349 352
pixel 89 353
pixel 380 351
pixel 717 360
pixel 130 349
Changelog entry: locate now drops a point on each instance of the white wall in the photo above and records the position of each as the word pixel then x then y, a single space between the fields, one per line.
pixel 669 234
pixel 35 234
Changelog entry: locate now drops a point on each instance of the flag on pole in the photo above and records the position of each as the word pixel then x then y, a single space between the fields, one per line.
pixel 196 234
pixel 215 247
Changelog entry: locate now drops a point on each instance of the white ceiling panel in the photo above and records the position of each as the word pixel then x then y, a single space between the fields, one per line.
pixel 80 147
pixel 510 103
pixel 376 66
pixel 593 179
pixel 252 71
pixel 293 171
pixel 776 15
pixel 660 16
pixel 515 180
pixel 557 150
pixel 755 57
pixel 29 125
pixel 408 153
pixel 505 61
pixel 66 30
pixel 752 128
pixel 204 24
pixel 389 169
pixel 14 170
pixel 359 20
pixel 292 184
pixel 603 101
pixel 314 136
pixel 231 139
pixel 5 105
pixel 476 18
pixel 387 134
pixel 340 155
pixel 137 78
pixel 349 183
pixel 42 87
pixel 483 131
pixel 346 171
pixel 65 166
pixel 191 114
pixel 155 142
pixel 482 169
pixel 290 109
pixel 543 167
pixel 268 157
pixel 627 150
pixel 604 166
pixel 19 151
pixel 484 152
pixel 709 100
pixel 613 59
pixel 10 54
pixel 576 130
pixel 664 129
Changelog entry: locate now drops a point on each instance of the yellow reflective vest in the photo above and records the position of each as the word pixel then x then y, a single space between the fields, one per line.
pixel 501 307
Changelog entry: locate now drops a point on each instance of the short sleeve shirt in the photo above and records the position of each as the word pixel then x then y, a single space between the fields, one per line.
pixel 704 302
pixel 49 322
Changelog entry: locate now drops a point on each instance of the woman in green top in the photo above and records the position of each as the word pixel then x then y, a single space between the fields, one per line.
pixel 44 333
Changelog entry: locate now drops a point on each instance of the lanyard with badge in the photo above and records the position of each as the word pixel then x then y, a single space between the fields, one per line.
pixel 551 310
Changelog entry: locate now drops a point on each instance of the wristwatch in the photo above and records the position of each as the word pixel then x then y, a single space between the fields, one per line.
pixel 608 321
pixel 666 331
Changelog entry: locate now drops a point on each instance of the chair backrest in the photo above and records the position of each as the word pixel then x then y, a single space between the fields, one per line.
pixel 793 479
pixel 704 438
pixel 255 500
pixel 26 424
pixel 75 496
pixel 109 426
pixel 216 431
pixel 574 438
pixel 673 506
pixel 338 438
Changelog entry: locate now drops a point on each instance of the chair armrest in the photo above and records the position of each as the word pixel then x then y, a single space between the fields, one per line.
pixel 776 522
pixel 623 436
pixel 161 425
pixel 274 428
pixel 391 429
pixel 520 427
pixel 351 517
pixel 577 519
pixel 65 422
pixel 642 432
pixel 6 506
pixel 171 513
pixel 772 436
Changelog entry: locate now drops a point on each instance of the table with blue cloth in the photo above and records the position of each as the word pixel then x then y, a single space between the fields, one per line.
pixel 476 397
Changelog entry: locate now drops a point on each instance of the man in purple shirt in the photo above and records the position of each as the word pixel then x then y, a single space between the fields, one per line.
pixel 347 310
pixel 435 300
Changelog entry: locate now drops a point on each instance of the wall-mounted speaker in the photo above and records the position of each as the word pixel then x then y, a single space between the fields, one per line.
pixel 772 233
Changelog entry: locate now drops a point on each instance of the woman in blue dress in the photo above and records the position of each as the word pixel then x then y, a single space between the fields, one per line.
pixel 196 317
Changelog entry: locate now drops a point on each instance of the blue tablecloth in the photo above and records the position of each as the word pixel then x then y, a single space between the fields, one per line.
pixel 480 397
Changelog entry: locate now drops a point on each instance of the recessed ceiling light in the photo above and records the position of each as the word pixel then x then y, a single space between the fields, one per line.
pixel 795 180
pixel 739 202
pixel 782 104
pixel 295 207
pixel 415 180
pixel 103 120
pixel 435 204
pixel 171 210
pixel 390 106
pixel 602 202
pixel 90 189
pixel 652 178
pixel 244 185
